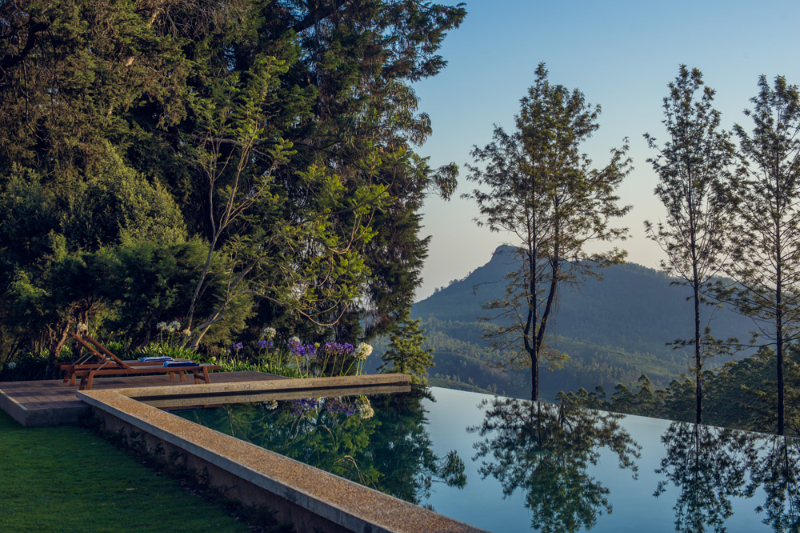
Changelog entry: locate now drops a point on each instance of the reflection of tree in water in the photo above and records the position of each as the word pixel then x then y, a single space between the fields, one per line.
pixel 545 450
pixel 775 471
pixel 709 467
pixel 389 451
pixel 402 450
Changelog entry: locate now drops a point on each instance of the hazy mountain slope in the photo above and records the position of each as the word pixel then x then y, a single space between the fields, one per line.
pixel 634 308
pixel 461 362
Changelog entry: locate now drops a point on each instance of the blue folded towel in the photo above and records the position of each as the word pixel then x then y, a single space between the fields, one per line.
pixel 153 359
pixel 181 363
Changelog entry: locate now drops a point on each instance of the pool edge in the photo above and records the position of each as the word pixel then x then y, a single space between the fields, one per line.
pixel 303 495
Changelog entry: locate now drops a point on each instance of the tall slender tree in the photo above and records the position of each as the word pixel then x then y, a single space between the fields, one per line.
pixel 693 168
pixel 536 185
pixel 765 247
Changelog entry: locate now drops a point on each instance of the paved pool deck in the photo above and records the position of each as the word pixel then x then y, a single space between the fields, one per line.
pixel 53 402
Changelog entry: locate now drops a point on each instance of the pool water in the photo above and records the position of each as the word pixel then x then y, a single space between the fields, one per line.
pixel 507 466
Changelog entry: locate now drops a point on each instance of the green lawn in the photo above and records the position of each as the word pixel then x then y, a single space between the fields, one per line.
pixel 69 479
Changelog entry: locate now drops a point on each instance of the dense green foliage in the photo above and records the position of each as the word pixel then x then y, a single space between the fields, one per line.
pixel 406 355
pixel 225 164
pixel 111 492
pixel 741 394
pixel 463 361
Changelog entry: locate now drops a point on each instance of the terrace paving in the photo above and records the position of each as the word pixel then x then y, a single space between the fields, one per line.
pixel 53 402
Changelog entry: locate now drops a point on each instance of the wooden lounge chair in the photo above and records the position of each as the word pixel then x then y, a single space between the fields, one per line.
pixel 108 364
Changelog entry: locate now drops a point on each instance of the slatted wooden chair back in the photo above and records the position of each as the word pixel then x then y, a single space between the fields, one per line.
pixel 102 353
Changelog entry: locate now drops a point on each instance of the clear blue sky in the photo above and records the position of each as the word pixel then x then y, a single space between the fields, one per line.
pixel 621 55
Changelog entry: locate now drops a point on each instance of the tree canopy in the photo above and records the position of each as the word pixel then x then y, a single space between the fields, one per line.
pixel 260 153
pixel 536 184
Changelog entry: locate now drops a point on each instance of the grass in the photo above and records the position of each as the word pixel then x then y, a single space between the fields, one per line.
pixel 66 478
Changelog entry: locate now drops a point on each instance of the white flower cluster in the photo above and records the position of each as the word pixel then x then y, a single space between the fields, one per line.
pixel 365 410
pixel 270 405
pixel 362 351
pixel 12 366
pixel 172 327
pixel 269 333
pixel 82 327
pixel 294 339
pixel 187 332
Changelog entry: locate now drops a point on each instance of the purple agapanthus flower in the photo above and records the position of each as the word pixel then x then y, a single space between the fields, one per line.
pixel 334 348
pixel 302 350
pixel 262 344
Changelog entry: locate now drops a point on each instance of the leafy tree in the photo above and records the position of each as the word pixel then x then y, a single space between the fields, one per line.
pixel 535 184
pixel 765 243
pixel 50 267
pixel 694 185
pixel 405 353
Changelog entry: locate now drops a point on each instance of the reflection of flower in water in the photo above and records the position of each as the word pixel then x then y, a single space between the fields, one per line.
pixel 338 406
pixel 299 407
pixel 365 410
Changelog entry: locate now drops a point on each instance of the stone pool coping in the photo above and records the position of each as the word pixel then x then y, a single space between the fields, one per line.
pixel 304 489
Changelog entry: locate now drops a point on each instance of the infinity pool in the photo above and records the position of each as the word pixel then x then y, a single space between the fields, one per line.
pixel 504 466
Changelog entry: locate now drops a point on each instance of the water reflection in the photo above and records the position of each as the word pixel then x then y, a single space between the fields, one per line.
pixel 380 442
pixel 546 450
pixel 545 467
pixel 775 472
pixel 709 467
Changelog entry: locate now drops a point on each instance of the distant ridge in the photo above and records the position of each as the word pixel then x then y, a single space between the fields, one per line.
pixel 635 309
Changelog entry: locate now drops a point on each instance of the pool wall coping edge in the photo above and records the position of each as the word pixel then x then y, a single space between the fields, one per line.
pixel 352 506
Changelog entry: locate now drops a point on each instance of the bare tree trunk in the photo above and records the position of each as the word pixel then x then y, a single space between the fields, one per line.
pixel 779 349
pixel 548 308
pixel 698 358
pixel 57 340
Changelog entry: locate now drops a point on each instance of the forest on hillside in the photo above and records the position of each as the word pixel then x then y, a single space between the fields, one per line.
pixel 463 361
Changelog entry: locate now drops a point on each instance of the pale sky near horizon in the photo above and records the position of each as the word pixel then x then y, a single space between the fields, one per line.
pixel 621 55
